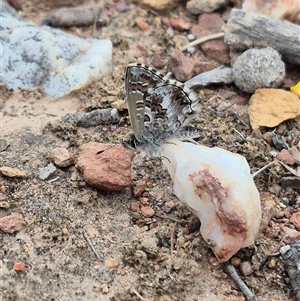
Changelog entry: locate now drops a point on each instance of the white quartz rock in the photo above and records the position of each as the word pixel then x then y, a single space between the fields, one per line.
pixel 218 187
pixel 48 58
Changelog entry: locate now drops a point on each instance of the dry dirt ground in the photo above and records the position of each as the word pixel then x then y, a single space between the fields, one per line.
pixel 59 215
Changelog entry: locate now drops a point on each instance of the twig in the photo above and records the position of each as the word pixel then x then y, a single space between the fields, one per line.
pixel 239 133
pixel 173 236
pixel 170 274
pixel 262 169
pixel 53 180
pixel 239 282
pixel 113 242
pixel 90 244
pixel 202 40
pixel 141 297
pixel 168 217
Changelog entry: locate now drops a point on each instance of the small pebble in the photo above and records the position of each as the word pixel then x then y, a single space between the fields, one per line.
pixel 19 266
pixel 61 157
pixel 171 204
pixel 4 205
pixel 144 200
pixel 170 32
pixel 236 261
pixel 191 50
pixel 111 263
pixel 11 223
pixel 134 206
pixel 165 21
pixel 139 186
pixel 65 231
pixel 246 268
pixel 46 172
pixel 285 156
pixel 121 7
pixel 191 37
pixel 122 273
pixel 147 211
pixel 141 24
pixel 272 264
pixel 12 172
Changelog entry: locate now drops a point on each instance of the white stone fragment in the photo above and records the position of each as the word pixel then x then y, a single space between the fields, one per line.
pixel 219 189
pixel 50 59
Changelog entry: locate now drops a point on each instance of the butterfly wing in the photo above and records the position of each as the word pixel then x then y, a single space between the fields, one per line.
pixel 139 78
pixel 169 106
pixel 156 103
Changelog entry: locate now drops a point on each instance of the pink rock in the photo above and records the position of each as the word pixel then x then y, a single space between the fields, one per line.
pixel 217 50
pixel 137 54
pixel 285 157
pixel 287 214
pixel 141 24
pixel 180 24
pixel 139 186
pixel 200 66
pixel 158 62
pixel 11 223
pixel 19 266
pixel 289 234
pixel 209 24
pixel 121 7
pixel 109 170
pixel 171 204
pixel 268 212
pixel 144 200
pixel 62 157
pixel 246 268
pixel 134 206
pixel 141 46
pixel 147 211
pixel 240 100
pixel 181 66
pixel 295 220
pixel 166 21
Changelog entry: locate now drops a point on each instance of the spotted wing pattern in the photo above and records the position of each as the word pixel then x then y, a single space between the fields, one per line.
pixel 159 107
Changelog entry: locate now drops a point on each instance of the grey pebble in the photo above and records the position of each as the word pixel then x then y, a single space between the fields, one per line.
pixel 47 171
pixel 258 68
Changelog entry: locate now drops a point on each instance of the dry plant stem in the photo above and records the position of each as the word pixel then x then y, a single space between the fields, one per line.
pixel 262 169
pixel 53 180
pixel 168 217
pixel 141 297
pixel 240 283
pixel 173 236
pixel 91 245
pixel 202 40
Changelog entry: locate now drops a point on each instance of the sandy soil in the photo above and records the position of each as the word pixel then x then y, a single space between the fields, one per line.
pixel 134 259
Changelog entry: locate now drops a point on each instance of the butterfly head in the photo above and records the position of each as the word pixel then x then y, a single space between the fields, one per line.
pixel 131 143
pixel 144 145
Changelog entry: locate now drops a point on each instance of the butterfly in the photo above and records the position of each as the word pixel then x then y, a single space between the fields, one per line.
pixel 159 109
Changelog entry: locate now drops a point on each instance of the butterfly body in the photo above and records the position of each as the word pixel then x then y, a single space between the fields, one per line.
pixel 159 109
